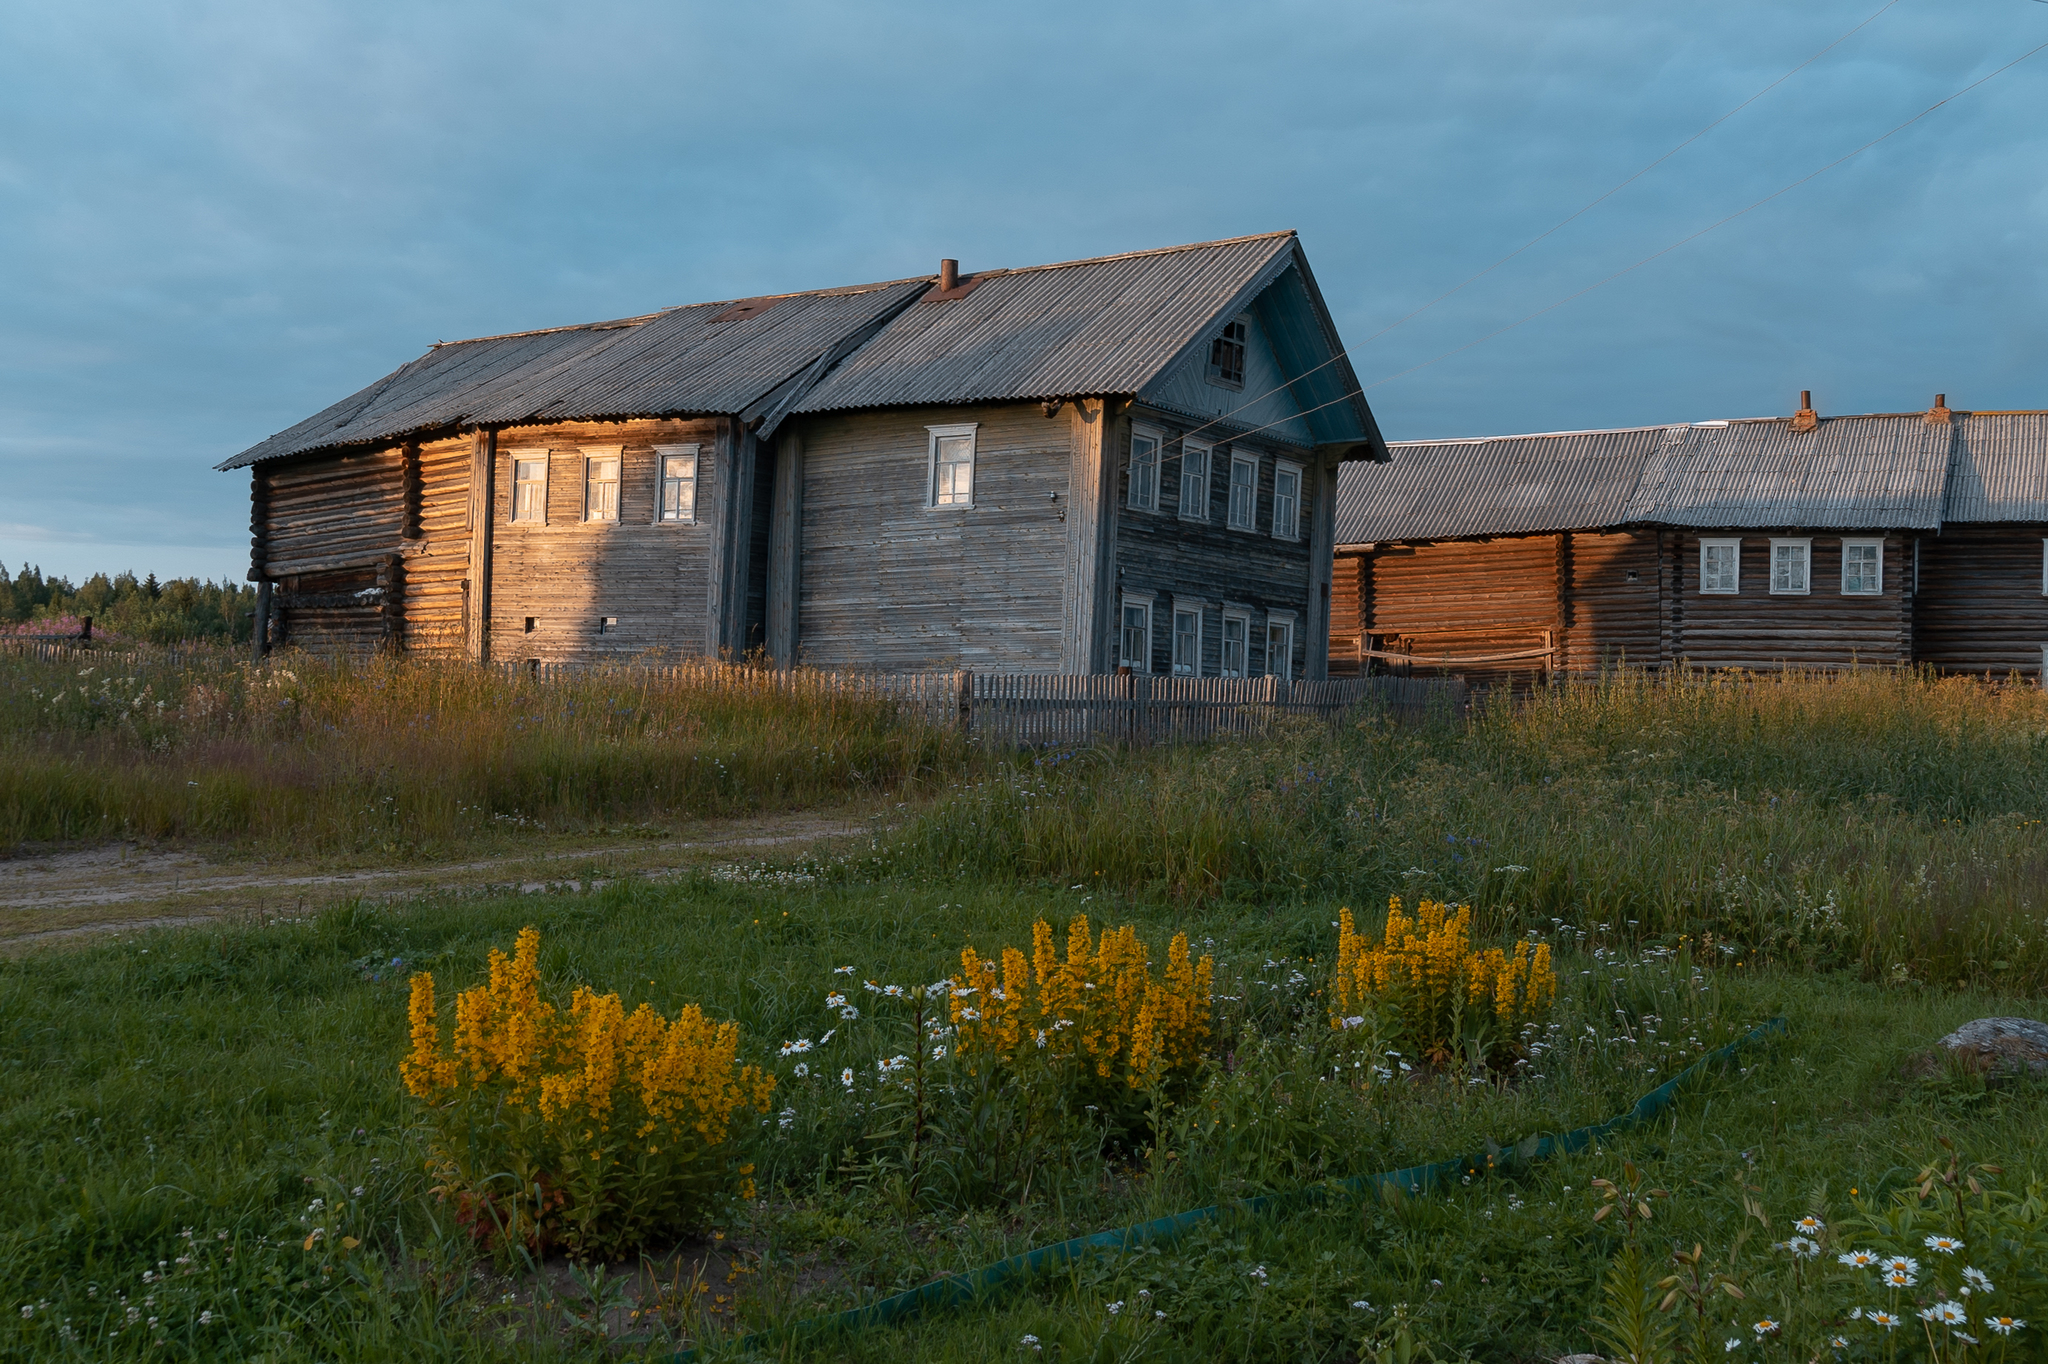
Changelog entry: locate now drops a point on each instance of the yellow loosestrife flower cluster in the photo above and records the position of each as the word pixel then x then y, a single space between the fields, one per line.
pixel 588 1101
pixel 1442 990
pixel 1100 1006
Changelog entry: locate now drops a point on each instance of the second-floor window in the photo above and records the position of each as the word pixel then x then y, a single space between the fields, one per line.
pixel 678 482
pixel 952 465
pixel 530 488
pixel 1194 482
pixel 1244 491
pixel 1287 501
pixel 1144 491
pixel 601 487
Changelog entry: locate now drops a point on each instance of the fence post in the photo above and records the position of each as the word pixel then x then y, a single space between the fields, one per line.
pixel 963 701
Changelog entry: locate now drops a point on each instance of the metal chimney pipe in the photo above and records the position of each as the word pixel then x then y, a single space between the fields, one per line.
pixel 949 274
pixel 1806 397
pixel 1941 400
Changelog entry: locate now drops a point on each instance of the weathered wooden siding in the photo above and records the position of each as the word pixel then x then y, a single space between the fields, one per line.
pixel 1348 579
pixel 330 534
pixel 1610 611
pixel 1264 400
pixel 1465 598
pixel 569 574
pixel 888 583
pixel 1824 629
pixel 437 561
pixel 1981 606
pixel 1160 554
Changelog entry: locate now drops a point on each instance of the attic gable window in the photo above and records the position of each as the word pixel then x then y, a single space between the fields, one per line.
pixel 530 488
pixel 1862 568
pixel 1226 355
pixel 1721 567
pixel 601 484
pixel 1144 483
pixel 678 503
pixel 1789 561
pixel 951 452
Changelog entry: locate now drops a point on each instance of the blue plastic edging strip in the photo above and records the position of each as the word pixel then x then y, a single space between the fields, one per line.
pixel 956 1289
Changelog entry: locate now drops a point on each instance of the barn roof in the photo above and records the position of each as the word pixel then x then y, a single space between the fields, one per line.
pixel 1106 326
pixel 1878 472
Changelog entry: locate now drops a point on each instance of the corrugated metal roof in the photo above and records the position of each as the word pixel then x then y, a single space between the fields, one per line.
pixel 1109 325
pixel 675 361
pixel 1849 473
pixel 1504 485
pixel 1999 468
pixel 1891 471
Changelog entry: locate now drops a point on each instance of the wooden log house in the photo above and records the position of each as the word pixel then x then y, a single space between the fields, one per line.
pixel 1917 537
pixel 1129 461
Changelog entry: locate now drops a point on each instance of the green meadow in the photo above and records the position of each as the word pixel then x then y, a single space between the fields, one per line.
pixel 1860 856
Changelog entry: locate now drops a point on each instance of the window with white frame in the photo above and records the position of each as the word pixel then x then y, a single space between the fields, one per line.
pixel 1862 568
pixel 1134 647
pixel 1187 638
pixel 1286 500
pixel 1280 644
pixel 601 483
pixel 1244 491
pixel 2044 566
pixel 1144 489
pixel 1790 560
pixel 951 449
pixel 1721 566
pixel 530 487
pixel 1194 481
pixel 678 483
pixel 1237 635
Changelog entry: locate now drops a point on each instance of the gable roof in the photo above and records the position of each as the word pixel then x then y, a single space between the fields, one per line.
pixel 1883 471
pixel 680 360
pixel 1110 325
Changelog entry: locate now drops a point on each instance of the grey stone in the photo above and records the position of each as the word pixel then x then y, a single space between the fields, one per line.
pixel 2007 1045
pixel 1580 1359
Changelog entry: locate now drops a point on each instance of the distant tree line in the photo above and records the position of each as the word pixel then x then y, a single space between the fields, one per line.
pixel 126 607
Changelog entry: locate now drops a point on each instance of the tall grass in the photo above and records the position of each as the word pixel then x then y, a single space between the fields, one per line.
pixel 392 755
pixel 1889 822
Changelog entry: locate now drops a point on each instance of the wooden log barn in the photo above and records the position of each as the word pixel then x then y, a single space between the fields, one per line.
pixel 1802 541
pixel 1122 462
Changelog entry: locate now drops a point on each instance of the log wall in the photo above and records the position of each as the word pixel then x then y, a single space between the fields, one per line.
pixel 330 540
pixel 1163 556
pixel 887 583
pixel 437 560
pixel 1823 629
pixel 1981 607
pixel 566 576
pixel 1463 598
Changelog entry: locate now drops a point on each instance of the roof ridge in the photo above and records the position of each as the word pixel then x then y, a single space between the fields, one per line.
pixel 1134 255
pixel 641 319
pixel 1722 421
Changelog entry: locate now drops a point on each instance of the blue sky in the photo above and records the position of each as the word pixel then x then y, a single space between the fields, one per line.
pixel 219 216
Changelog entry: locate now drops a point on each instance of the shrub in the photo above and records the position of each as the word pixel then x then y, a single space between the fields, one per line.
pixel 591 1130
pixel 1099 1017
pixel 1444 997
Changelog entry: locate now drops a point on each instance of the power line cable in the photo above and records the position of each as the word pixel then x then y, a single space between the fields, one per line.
pixel 1562 223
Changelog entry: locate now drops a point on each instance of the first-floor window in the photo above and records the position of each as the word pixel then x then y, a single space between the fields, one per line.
pixel 952 461
pixel 1287 501
pixel 1280 646
pixel 678 482
pixel 1720 565
pixel 1789 559
pixel 601 485
pixel 1244 491
pixel 1187 640
pixel 1135 647
pixel 1237 633
pixel 1144 489
pixel 530 488
pixel 1862 568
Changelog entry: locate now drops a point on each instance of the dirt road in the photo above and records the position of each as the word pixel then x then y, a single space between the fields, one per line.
pixel 121 886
